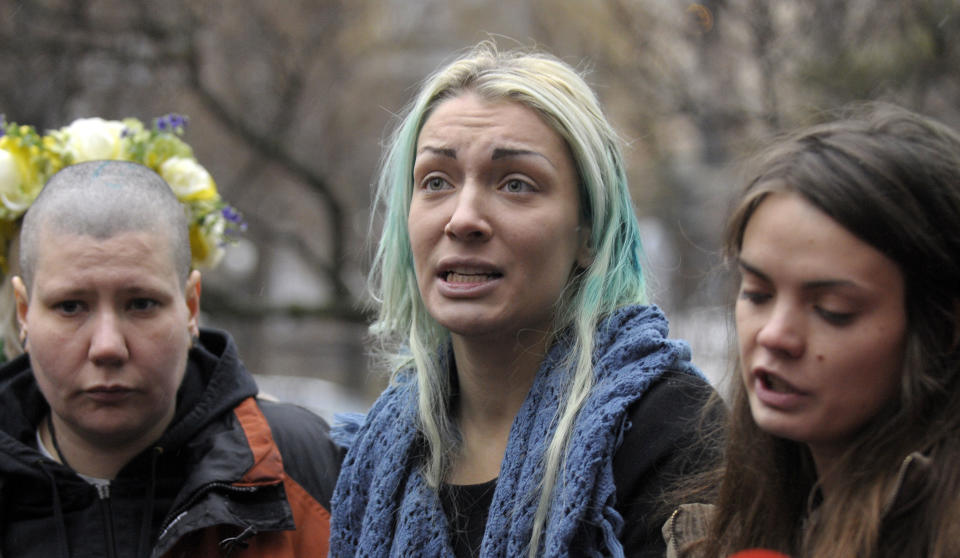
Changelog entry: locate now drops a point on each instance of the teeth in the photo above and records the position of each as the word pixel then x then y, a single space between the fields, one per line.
pixel 454 277
pixel 468 270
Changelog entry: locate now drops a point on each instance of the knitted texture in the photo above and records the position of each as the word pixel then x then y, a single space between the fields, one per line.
pixel 382 505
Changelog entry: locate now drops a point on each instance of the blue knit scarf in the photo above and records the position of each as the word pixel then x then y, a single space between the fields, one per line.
pixel 382 505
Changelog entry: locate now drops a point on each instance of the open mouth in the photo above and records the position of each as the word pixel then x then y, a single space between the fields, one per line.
pixel 469 277
pixel 775 384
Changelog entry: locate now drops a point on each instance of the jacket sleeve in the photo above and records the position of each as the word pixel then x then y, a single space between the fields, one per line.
pixel 309 455
pixel 662 445
pixel 688 523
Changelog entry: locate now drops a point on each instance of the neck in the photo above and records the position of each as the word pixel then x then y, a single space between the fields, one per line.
pixel 494 379
pixel 825 461
pixel 92 460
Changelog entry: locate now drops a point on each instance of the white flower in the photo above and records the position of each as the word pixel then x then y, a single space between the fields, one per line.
pixel 188 179
pixel 19 181
pixel 10 180
pixel 9 174
pixel 90 139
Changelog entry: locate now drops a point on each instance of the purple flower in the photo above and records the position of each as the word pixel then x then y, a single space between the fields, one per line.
pixel 3 125
pixel 172 122
pixel 233 216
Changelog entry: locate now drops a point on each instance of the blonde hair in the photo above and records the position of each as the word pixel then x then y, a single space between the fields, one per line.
pixel 411 338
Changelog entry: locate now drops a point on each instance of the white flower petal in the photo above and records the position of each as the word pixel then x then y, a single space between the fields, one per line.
pixel 89 139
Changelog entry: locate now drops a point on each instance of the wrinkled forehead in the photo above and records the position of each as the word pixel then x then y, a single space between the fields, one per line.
pixel 146 248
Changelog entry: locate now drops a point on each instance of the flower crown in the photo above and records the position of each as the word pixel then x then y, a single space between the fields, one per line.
pixel 28 160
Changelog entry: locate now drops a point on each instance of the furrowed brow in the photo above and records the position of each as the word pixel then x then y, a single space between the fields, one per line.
pixel 442 151
pixel 502 152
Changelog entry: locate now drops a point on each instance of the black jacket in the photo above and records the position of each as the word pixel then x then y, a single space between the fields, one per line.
pixel 231 474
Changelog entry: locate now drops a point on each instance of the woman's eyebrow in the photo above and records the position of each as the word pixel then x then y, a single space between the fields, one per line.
pixel 810 285
pixel 443 151
pixel 502 152
pixel 752 270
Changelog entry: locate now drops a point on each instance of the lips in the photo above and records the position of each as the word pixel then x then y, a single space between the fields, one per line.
pixel 773 391
pixel 109 394
pixel 462 278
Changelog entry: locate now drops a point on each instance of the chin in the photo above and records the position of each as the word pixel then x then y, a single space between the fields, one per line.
pixel 774 425
pixel 465 329
pixel 464 321
pixel 787 432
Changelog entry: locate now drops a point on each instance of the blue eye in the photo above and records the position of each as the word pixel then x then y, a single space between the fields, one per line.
pixel 516 186
pixel 435 184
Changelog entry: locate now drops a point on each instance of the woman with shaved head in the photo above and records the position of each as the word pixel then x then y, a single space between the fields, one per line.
pixel 126 429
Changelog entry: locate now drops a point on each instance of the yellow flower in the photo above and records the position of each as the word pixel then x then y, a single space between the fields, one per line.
pixel 188 179
pixel 91 139
pixel 27 160
pixel 205 249
pixel 54 159
pixel 20 179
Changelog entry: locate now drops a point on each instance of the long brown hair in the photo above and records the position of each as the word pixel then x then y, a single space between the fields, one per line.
pixel 891 178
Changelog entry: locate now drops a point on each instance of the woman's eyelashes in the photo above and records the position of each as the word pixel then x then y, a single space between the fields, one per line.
pixel 69 307
pixel 754 288
pixel 518 186
pixel 834 317
pixel 435 184
pixel 143 304
pixel 139 305
pixel 754 296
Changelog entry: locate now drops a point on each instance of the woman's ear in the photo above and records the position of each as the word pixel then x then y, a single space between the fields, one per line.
pixel 22 303
pixel 192 296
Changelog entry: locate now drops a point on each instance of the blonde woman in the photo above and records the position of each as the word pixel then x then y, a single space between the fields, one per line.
pixel 537 407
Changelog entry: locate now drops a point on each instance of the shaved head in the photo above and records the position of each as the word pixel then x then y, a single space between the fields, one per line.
pixel 101 199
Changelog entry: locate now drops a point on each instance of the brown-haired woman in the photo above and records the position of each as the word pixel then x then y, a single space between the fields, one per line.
pixel 844 435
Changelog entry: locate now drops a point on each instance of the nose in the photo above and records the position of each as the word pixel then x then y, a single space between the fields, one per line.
pixel 469 218
pixel 108 346
pixel 782 331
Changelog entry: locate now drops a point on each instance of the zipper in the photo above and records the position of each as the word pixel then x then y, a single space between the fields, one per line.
pixel 103 494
